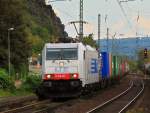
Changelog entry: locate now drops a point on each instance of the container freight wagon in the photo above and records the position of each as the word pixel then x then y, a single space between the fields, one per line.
pixel 119 60
pixel 110 65
pixel 120 66
pixel 123 63
pixel 68 69
pixel 115 67
pixel 106 68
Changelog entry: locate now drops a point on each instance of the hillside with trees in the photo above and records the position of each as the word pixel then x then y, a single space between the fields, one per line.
pixel 34 24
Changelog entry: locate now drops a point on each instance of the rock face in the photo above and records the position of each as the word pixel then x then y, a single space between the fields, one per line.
pixel 45 16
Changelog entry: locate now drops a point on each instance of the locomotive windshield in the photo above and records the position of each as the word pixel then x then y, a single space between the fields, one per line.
pixel 61 54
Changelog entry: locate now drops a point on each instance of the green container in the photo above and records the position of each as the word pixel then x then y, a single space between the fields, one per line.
pixel 119 65
pixel 115 66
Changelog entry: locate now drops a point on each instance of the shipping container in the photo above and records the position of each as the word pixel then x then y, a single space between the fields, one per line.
pixel 105 65
pixel 123 67
pixel 119 60
pixel 115 69
pixel 110 65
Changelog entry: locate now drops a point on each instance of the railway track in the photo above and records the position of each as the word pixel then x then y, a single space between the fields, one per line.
pixel 44 106
pixel 13 102
pixel 121 102
pixel 47 106
pixel 28 107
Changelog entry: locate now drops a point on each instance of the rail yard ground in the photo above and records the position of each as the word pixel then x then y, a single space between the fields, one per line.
pixel 143 104
pixel 84 104
pixel 90 101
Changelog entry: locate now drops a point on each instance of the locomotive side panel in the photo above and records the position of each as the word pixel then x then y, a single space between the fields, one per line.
pixel 91 65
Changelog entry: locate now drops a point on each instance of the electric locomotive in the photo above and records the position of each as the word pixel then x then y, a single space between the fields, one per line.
pixel 68 69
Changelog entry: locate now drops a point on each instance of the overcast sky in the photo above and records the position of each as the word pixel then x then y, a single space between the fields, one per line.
pixel 135 23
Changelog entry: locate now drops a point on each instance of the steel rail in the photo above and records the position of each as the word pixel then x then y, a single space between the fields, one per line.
pixel 111 100
pixel 25 107
pixel 41 110
pixel 134 99
pixel 54 106
pixel 8 100
pixel 13 102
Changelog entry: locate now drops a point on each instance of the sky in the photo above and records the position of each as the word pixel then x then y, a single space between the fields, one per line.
pixel 133 21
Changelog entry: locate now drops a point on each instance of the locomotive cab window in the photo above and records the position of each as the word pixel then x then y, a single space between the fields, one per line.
pixel 70 54
pixel 61 54
pixel 53 54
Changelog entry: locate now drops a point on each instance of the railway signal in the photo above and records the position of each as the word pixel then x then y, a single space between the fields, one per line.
pixel 145 53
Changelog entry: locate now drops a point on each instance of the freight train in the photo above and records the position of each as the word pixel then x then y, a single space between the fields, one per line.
pixel 70 69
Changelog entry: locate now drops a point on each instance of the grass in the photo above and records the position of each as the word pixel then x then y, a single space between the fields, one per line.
pixel 6 93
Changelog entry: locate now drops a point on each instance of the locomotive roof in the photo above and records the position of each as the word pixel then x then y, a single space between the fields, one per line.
pixel 62 45
pixel 68 45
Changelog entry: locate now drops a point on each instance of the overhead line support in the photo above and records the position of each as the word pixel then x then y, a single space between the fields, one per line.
pixel 81 21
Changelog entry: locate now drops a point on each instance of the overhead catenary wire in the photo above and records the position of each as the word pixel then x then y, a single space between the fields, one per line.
pixel 124 13
pixel 73 16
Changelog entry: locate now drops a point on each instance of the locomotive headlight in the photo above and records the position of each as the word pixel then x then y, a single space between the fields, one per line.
pixel 48 76
pixel 61 64
pixel 75 75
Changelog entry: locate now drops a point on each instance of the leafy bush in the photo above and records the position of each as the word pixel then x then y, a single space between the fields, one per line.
pixel 23 70
pixel 5 80
pixel 31 82
pixel 4 93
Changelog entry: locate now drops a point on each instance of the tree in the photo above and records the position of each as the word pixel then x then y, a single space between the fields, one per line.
pixel 11 15
pixel 89 41
pixel 35 24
